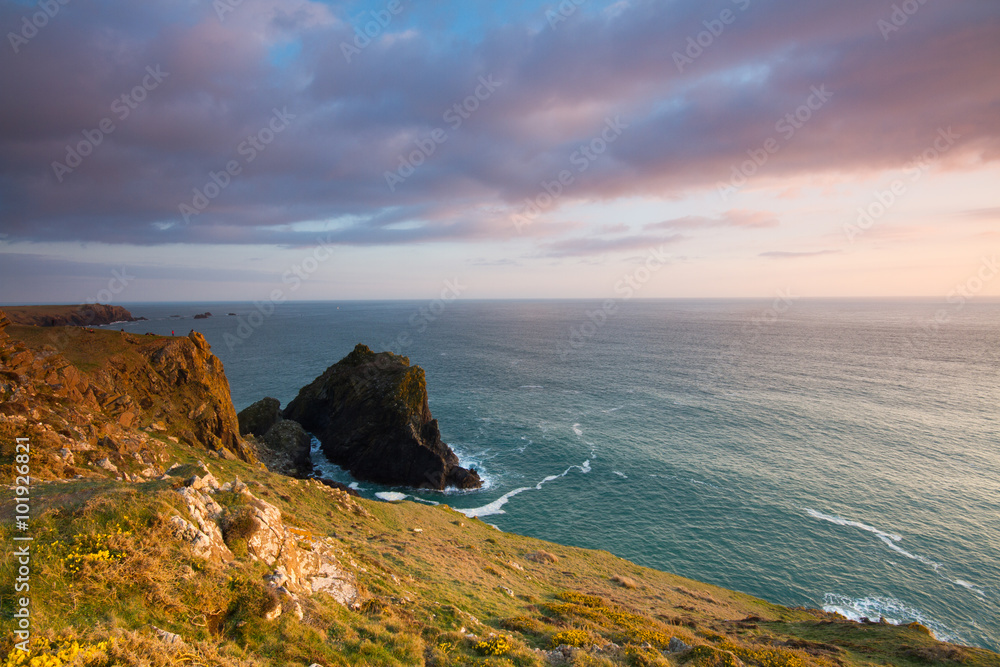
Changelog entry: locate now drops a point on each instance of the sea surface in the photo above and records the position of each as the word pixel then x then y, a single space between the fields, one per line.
pixel 842 455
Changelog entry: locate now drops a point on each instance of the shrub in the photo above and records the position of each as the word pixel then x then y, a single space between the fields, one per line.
pixel 571 637
pixel 239 524
pixel 495 645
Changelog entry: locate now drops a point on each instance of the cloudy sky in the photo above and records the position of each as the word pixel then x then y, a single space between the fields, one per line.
pixel 223 149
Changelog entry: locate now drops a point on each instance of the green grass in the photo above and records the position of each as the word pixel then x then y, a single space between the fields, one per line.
pixel 421 592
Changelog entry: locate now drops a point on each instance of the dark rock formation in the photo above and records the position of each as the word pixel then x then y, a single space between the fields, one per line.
pixel 371 415
pixel 202 316
pixel 260 417
pixel 284 446
pixel 288 438
pixel 87 315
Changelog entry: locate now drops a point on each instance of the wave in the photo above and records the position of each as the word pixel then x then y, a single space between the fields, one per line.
pixel 889 539
pixel 391 496
pixel 971 587
pixel 892 610
pixel 620 474
pixel 576 429
pixel 395 496
pixel 496 507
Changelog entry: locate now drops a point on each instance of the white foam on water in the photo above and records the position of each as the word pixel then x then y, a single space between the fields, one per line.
pixel 620 474
pixel 576 429
pixel 355 486
pixel 892 610
pixel 889 539
pixel 391 496
pixel 972 587
pixel 531 386
pixel 496 507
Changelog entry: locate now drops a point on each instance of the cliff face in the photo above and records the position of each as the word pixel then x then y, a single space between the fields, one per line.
pixel 370 413
pixel 105 394
pixel 57 316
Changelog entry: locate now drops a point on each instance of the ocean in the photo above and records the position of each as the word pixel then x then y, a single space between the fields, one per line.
pixel 842 455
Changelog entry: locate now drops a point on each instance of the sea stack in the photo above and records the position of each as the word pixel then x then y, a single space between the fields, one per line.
pixel 371 416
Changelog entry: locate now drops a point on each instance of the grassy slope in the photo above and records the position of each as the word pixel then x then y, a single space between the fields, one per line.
pixel 419 589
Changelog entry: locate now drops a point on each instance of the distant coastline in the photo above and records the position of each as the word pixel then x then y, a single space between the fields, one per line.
pixel 84 315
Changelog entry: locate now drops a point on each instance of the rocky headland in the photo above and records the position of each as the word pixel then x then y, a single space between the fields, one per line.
pixel 370 412
pixel 86 315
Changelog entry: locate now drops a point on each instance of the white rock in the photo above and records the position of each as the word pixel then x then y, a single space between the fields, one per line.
pixel 168 637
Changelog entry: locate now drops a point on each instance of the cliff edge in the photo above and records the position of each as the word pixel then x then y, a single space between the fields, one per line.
pixel 109 396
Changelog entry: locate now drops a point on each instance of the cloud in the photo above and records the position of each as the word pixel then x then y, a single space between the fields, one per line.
pixel 733 218
pixel 583 247
pixel 987 214
pixel 355 121
pixel 783 254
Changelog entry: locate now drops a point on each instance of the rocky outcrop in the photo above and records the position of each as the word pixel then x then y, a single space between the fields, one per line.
pixel 301 563
pixel 370 413
pixel 111 395
pixel 283 445
pixel 289 438
pixel 259 417
pixel 87 315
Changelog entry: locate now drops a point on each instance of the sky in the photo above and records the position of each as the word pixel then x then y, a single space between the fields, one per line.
pixel 201 150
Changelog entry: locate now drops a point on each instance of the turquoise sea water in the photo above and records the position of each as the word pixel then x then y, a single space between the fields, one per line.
pixel 843 455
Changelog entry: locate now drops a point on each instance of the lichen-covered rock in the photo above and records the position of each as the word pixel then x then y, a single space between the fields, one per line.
pixel 204 533
pixel 296 570
pixel 370 413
